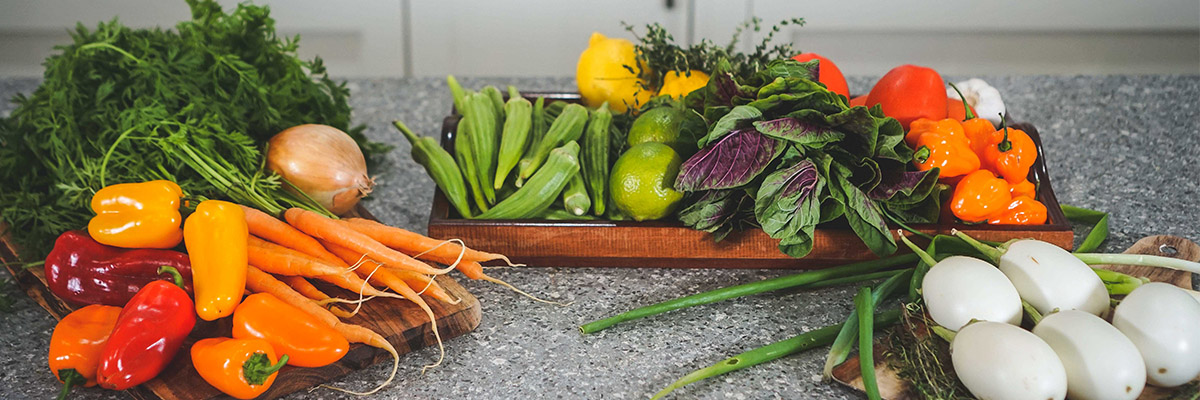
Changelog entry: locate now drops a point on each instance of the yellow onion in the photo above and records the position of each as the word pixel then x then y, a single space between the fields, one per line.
pixel 323 162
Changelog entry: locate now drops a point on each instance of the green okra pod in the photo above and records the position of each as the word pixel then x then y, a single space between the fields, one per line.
pixel 535 137
pixel 440 166
pixel 496 99
pixel 594 156
pixel 514 138
pixel 480 117
pixel 566 128
pixel 575 196
pixel 542 188
pixel 465 156
pixel 457 91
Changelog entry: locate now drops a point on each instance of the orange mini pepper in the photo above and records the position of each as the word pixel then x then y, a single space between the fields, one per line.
pixel 306 340
pixel 1022 210
pixel 979 195
pixel 216 235
pixel 241 368
pixel 137 215
pixel 77 342
pixel 1023 188
pixel 943 145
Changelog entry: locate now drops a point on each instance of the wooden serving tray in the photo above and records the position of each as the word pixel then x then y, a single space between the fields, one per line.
pixel 892 387
pixel 668 243
pixel 401 322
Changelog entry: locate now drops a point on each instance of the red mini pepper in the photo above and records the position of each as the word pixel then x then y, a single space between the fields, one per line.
pixel 149 332
pixel 83 271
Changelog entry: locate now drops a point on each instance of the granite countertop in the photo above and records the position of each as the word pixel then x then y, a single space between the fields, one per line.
pixel 1124 144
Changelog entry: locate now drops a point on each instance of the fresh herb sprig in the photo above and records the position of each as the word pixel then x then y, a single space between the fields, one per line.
pixel 658 50
pixel 194 105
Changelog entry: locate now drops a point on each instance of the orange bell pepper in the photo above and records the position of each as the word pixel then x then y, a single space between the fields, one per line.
pixel 908 93
pixel 216 236
pixel 306 340
pixel 241 368
pixel 137 215
pixel 979 195
pixel 1023 188
pixel 1022 210
pixel 827 73
pixel 77 342
pixel 943 145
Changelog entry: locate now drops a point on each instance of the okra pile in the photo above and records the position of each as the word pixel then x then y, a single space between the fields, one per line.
pixel 516 159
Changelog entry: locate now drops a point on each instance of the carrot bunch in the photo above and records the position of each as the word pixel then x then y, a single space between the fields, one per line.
pixel 359 255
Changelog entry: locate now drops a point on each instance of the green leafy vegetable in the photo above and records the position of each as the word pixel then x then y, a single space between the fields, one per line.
pixel 193 105
pixel 661 54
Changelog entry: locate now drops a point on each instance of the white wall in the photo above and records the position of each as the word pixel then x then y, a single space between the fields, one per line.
pixel 544 37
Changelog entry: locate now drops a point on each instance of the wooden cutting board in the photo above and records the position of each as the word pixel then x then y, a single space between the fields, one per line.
pixel 404 324
pixel 892 387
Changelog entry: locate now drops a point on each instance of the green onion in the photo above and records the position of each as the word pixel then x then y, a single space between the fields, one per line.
pixel 800 279
pixel 770 352
pixel 1099 221
pixel 840 350
pixel 864 305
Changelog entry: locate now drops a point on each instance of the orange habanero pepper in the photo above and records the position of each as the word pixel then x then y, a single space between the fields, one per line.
pixel 77 342
pixel 137 215
pixel 1023 188
pixel 942 145
pixel 1023 210
pixel 241 368
pixel 1011 156
pixel 979 195
pixel 306 340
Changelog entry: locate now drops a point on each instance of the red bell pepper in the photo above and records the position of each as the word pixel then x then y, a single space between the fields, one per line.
pixel 83 271
pixel 149 332
pixel 908 93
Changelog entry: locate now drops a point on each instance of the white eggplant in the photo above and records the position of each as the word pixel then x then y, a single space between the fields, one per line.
pixel 1163 321
pixel 1101 363
pixel 999 361
pixel 959 289
pixel 1050 278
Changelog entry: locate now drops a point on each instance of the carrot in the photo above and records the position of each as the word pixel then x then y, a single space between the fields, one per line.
pixel 413 243
pixel 415 281
pixel 281 260
pixel 304 287
pixel 331 231
pixel 262 282
pixel 272 229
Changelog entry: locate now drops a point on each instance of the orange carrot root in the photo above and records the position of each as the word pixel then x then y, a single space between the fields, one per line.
pixel 332 231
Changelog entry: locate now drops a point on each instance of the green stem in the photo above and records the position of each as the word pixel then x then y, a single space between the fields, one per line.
pixel 1099 221
pixel 771 352
pixel 70 378
pixel 993 254
pixel 175 276
pixel 840 350
pixel 800 279
pixel 1035 316
pixel 103 45
pixel 1139 259
pixel 1004 145
pixel 925 257
pixel 866 341
pixel 1118 283
pixel 943 332
pixel 904 226
pixel 856 278
pixel 966 108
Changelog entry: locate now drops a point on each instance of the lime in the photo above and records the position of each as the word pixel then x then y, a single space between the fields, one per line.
pixel 643 181
pixel 662 125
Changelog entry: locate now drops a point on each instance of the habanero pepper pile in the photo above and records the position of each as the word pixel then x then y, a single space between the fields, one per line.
pixel 137 288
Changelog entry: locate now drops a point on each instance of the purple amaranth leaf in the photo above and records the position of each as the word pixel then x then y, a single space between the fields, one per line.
pixel 895 182
pixel 788 206
pixel 733 160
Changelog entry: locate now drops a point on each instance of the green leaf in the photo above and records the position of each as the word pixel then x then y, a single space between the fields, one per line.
pixel 862 213
pixel 788 206
pixel 739 117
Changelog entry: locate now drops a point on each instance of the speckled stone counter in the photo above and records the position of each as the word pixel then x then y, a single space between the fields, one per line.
pixel 1126 144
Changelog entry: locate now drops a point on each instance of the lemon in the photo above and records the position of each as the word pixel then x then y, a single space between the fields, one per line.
pixel 678 85
pixel 642 182
pixel 662 125
pixel 602 74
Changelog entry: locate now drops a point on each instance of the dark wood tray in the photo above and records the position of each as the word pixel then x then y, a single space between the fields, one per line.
pixel 669 243
pixel 401 322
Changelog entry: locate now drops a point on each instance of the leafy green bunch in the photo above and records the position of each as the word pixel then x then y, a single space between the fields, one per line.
pixel 782 148
pixel 660 54
pixel 194 105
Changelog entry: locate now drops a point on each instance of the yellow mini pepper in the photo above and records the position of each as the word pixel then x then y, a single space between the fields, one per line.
pixel 137 215
pixel 216 236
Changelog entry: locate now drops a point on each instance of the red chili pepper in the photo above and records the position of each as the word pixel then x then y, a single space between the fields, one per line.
pixel 910 92
pixel 83 271
pixel 149 332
